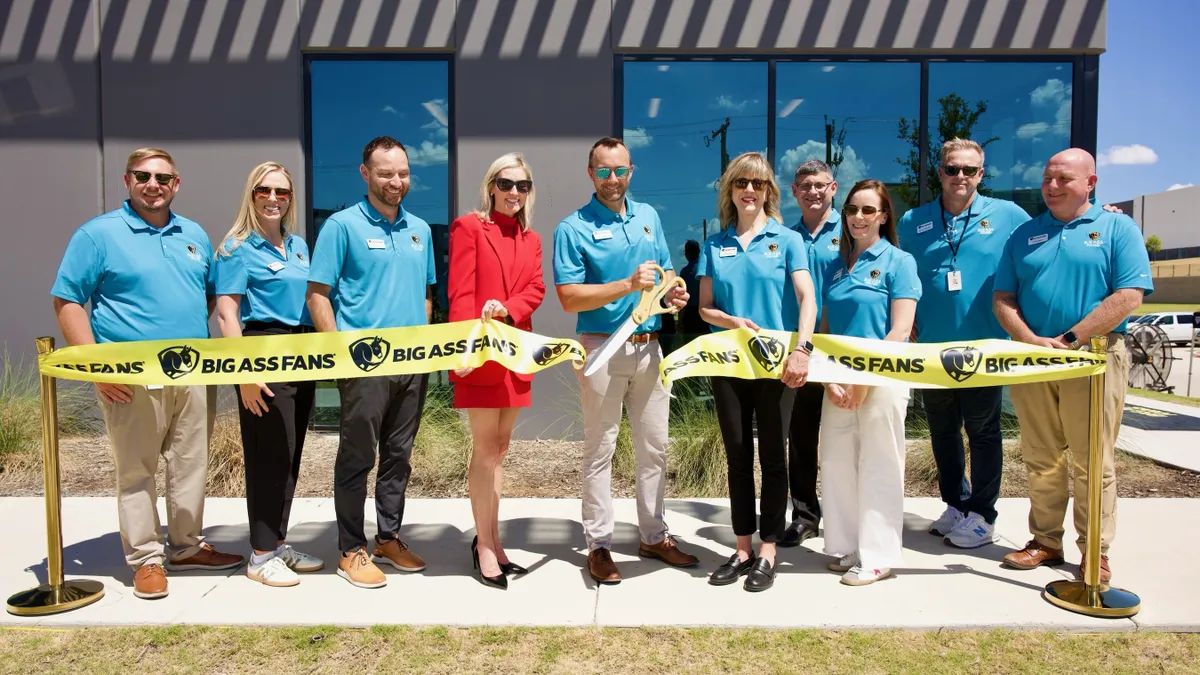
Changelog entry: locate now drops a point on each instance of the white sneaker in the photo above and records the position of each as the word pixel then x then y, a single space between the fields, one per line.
pixel 845 563
pixel 300 562
pixel 274 572
pixel 949 519
pixel 972 532
pixel 857 576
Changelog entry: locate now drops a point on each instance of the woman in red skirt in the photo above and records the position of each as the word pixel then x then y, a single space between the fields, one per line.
pixel 495 273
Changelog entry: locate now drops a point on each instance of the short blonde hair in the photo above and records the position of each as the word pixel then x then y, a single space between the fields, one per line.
pixel 960 144
pixel 512 160
pixel 750 165
pixel 141 154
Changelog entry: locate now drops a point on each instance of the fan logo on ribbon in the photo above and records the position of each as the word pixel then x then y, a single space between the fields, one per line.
pixel 767 351
pixel 549 352
pixel 178 361
pixel 961 363
pixel 369 352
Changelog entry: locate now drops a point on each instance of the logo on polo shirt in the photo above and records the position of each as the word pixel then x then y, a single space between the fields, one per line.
pixel 772 251
pixel 179 360
pixel 369 352
pixel 300 257
pixel 767 351
pixel 649 234
pixel 416 243
pixel 1094 240
pixel 548 352
pixel 985 227
pixel 961 363
pixel 833 244
pixel 874 279
pixel 192 252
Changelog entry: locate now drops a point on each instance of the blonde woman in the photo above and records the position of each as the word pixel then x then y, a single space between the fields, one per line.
pixel 746 271
pixel 261 274
pixel 495 274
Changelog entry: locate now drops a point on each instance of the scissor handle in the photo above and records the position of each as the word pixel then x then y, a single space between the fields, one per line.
pixel 651 301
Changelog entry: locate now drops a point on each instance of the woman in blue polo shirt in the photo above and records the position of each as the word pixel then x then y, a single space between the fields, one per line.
pixel 873 294
pixel 261 274
pixel 745 272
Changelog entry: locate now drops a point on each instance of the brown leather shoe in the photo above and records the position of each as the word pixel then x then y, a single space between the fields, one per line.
pixel 1105 571
pixel 602 568
pixel 150 582
pixel 669 552
pixel 207 558
pixel 1034 555
pixel 397 554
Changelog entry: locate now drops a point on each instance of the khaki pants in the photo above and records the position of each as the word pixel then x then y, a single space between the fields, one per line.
pixel 175 423
pixel 1054 417
pixel 631 378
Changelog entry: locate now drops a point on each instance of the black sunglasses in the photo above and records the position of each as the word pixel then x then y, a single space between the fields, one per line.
pixel 144 177
pixel 758 183
pixel 852 210
pixel 506 184
pixel 967 171
pixel 265 191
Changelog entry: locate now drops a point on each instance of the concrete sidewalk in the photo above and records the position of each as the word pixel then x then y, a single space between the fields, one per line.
pixel 938 587
pixel 1175 441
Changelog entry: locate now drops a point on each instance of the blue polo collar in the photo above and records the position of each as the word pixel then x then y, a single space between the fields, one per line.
pixel 877 249
pixel 834 221
pixel 256 239
pixel 135 222
pixel 605 215
pixel 373 215
pixel 1091 215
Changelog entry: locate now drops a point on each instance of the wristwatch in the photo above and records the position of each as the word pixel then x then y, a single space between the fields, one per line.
pixel 806 347
pixel 1070 339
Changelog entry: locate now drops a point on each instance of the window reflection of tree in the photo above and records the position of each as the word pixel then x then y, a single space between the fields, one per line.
pixel 956 119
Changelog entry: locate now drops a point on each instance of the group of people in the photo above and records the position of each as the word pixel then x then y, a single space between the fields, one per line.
pixel 963 267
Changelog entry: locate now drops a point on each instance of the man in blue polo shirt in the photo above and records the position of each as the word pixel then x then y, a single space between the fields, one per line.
pixel 957 242
pixel 1074 272
pixel 604 255
pixel 820 225
pixel 145 271
pixel 372 267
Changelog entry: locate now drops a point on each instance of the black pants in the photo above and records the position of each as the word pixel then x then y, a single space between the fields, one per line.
pixel 381 413
pixel 271 446
pixel 743 405
pixel 803 440
pixel 978 411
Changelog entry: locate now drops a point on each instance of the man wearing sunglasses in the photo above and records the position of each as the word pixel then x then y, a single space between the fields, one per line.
pixel 146 272
pixel 958 241
pixel 604 256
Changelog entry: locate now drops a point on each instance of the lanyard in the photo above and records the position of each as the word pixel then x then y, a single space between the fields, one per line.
pixel 946 228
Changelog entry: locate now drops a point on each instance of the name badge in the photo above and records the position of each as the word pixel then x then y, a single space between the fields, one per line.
pixel 153 387
pixel 954 280
pixel 921 229
pixel 1038 239
pixel 601 235
pixel 276 266
pixel 375 243
pixel 728 252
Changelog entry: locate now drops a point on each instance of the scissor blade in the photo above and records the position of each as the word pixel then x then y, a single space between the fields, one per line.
pixel 606 351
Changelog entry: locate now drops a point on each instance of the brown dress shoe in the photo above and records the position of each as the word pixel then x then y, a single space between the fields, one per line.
pixel 1034 555
pixel 602 568
pixel 207 558
pixel 397 554
pixel 668 551
pixel 1105 572
pixel 150 581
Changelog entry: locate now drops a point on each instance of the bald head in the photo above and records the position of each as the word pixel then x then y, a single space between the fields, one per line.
pixel 1067 183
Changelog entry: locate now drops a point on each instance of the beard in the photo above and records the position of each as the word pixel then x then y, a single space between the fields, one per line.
pixel 388 198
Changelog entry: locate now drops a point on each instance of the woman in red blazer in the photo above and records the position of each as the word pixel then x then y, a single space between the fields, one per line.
pixel 495 273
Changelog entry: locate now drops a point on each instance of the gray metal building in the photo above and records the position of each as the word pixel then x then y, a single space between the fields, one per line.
pixel 226 84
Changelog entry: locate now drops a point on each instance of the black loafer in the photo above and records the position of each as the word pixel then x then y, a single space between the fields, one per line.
pixel 761 576
pixel 797 533
pixel 729 572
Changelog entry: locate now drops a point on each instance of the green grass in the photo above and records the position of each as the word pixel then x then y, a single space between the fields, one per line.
pixel 1167 398
pixel 1154 307
pixel 21 411
pixel 442 450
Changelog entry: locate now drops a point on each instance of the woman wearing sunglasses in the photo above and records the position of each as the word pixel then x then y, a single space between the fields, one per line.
pixel 745 272
pixel 495 273
pixel 261 274
pixel 872 295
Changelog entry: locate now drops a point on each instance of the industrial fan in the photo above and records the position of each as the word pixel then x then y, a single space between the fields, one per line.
pixel 1150 357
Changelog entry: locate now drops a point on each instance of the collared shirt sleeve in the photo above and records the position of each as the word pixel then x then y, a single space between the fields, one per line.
pixel 1006 273
pixel 79 272
pixel 329 253
pixel 705 262
pixel 230 276
pixel 1130 261
pixel 903 226
pixel 210 272
pixel 904 284
pixel 660 242
pixel 796 254
pixel 430 268
pixel 569 265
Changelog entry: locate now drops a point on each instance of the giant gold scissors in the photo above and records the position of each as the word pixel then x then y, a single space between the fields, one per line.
pixel 651 303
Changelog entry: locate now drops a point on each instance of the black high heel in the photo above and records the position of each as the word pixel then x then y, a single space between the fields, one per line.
pixel 499 581
pixel 512 568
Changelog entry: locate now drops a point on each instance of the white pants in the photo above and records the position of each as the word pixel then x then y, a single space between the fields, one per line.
pixel 862 476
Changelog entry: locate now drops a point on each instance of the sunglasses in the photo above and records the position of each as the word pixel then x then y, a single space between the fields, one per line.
pixel 265 191
pixel 852 210
pixel 604 172
pixel 506 184
pixel 144 177
pixel 967 171
pixel 758 183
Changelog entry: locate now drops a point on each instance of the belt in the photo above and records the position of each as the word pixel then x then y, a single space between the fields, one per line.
pixel 636 338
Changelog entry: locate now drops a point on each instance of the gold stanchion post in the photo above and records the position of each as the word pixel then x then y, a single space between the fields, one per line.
pixel 1090 596
pixel 57 594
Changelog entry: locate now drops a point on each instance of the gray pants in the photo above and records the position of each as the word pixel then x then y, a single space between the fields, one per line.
pixel 630 378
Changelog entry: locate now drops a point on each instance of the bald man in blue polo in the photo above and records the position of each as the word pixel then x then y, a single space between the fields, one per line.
pixel 1074 272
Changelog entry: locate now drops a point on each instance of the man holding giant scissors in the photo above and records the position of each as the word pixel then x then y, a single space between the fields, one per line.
pixel 597 250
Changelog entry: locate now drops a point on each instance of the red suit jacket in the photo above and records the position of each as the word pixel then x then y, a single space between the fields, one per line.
pixel 482 268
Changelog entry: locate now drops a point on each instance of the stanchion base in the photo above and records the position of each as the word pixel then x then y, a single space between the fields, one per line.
pixel 46 599
pixel 1115 603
